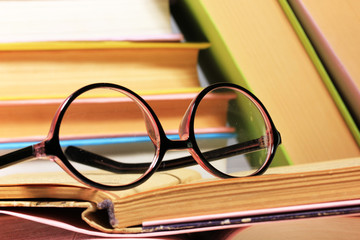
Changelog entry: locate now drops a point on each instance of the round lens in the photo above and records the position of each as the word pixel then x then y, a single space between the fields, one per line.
pixel 232 132
pixel 109 136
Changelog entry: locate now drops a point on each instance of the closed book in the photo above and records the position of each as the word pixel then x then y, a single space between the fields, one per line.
pixel 333 28
pixel 91 20
pixel 256 44
pixel 56 69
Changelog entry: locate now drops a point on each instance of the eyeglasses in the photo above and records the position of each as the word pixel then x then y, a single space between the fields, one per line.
pixel 96 137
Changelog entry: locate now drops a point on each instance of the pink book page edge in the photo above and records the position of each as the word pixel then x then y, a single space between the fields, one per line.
pixel 85 231
pixel 69 227
pixel 60 99
pixel 240 227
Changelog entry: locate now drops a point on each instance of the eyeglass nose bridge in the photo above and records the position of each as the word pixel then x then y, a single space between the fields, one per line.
pixel 178 144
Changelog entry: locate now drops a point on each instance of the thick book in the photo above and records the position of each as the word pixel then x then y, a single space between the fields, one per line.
pixel 180 201
pixel 37 77
pixel 118 120
pixel 333 28
pixel 255 44
pixel 92 20
pixel 16 224
pixel 56 69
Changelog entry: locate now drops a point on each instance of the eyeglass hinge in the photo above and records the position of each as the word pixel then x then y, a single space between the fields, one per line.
pixel 39 150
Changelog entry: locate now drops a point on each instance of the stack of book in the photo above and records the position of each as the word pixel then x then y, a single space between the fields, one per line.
pixel 274 48
pixel 71 44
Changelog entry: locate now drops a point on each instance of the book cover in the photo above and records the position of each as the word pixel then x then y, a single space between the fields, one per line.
pixel 336 45
pixel 254 44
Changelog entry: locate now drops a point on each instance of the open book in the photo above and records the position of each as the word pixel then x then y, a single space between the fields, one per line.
pixel 181 201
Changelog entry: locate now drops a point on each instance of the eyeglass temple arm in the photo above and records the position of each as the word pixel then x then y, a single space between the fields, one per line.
pixel 91 159
pixel 17 156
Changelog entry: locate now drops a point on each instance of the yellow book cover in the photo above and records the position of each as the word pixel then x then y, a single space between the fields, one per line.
pixel 254 44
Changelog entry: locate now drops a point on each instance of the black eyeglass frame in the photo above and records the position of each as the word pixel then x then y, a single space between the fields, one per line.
pixel 51 148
